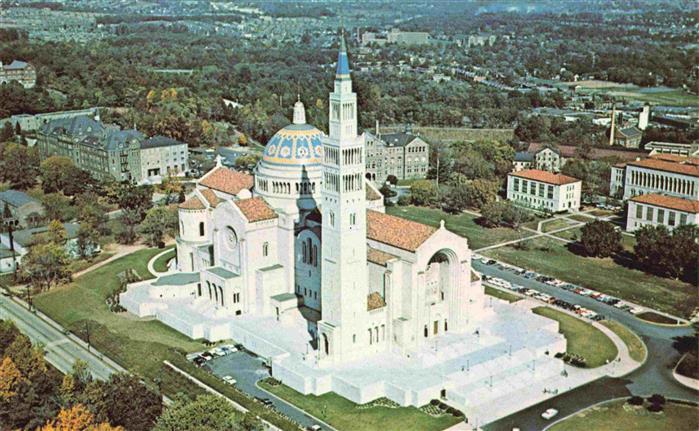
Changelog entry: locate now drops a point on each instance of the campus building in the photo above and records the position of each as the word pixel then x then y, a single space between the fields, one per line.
pixel 656 209
pixel 542 158
pixel 106 151
pixel 662 189
pixel 544 190
pixel 18 71
pixel 404 155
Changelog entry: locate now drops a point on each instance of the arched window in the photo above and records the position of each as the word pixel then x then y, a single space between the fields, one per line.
pixel 265 249
pixel 326 344
pixel 332 218
pixel 216 293
pixel 303 252
pixel 181 228
pixel 315 255
pixel 209 286
pixel 220 288
pixel 310 251
pixel 201 228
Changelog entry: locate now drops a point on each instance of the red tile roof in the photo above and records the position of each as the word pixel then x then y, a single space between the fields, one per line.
pixel 256 209
pixel 395 231
pixel 677 158
pixel 378 257
pixel 193 203
pixel 688 166
pixel 671 202
pixel 545 177
pixel 227 180
pixel 210 197
pixel 569 151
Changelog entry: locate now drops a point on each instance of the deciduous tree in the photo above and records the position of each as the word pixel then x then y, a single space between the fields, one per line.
pixel 600 239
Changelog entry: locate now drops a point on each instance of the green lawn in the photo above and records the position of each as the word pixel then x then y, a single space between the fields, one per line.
pixel 583 339
pixel 555 224
pixel 160 264
pixel 553 258
pixel 581 218
pixel 619 416
pixel 138 345
pixel 637 349
pixel 509 297
pixel 571 234
pixel 346 415
pixel 461 224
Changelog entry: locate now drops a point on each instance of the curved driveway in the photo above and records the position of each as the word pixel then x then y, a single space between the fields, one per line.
pixel 654 376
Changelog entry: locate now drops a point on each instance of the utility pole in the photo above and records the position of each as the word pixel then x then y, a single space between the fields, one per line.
pixel 10 222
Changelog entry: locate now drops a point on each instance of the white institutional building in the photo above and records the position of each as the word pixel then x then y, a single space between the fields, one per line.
pixel 301 265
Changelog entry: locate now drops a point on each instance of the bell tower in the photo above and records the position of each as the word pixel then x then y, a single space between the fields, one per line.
pixel 344 272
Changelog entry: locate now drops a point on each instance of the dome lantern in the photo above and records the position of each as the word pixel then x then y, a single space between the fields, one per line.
pixel 299 112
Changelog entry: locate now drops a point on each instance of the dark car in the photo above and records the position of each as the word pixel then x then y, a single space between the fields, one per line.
pixel 265 401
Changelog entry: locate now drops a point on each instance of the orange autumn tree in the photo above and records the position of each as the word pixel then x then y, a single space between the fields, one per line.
pixel 10 379
pixel 77 418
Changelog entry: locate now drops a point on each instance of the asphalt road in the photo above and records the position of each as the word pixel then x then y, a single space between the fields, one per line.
pixel 655 376
pixel 247 370
pixel 61 351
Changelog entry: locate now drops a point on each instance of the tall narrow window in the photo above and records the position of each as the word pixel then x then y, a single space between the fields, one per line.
pixel 265 249
pixel 201 228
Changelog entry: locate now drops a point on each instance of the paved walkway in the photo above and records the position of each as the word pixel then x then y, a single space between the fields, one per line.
pixel 151 263
pixel 121 251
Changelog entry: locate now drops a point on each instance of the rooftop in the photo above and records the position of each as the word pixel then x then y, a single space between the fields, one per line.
pixel 686 166
pixel 545 177
pixel 16 198
pixel 227 180
pixel 256 209
pixel 160 141
pixel 378 257
pixel 26 237
pixel 397 232
pixel 193 203
pixel 210 197
pixel 670 202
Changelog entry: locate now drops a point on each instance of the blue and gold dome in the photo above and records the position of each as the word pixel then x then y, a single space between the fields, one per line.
pixel 296 144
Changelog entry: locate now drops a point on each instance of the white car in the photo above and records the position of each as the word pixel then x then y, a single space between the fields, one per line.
pixel 549 414
pixel 229 380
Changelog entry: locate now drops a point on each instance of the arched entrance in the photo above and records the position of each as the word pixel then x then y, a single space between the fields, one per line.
pixel 440 287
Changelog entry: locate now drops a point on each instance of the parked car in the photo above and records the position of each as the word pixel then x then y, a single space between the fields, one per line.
pixel 265 401
pixel 315 427
pixel 199 361
pixel 549 414
pixel 229 380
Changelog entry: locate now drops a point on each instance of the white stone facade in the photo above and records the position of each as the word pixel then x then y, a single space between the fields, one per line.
pixel 661 211
pixel 544 191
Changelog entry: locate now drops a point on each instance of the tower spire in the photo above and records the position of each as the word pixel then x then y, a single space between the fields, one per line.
pixel 343 70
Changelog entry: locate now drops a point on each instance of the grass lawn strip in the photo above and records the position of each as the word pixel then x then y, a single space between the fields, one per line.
pixel 555 224
pixel 583 339
pixel 570 234
pixel 553 258
pixel 637 349
pixel 497 293
pixel 618 415
pixel 649 316
pixel 461 224
pixel 160 264
pixel 346 415
pixel 138 345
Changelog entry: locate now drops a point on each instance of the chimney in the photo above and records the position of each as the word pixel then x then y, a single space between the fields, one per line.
pixel 611 130
pixel 644 117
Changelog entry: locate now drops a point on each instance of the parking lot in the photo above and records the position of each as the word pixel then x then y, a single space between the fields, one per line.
pixel 549 298
pixel 244 370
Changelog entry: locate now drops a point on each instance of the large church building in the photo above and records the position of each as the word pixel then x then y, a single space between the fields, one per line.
pixel 300 263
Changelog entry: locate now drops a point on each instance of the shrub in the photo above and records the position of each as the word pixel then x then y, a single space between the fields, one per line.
pixel 656 399
pixel 403 200
pixel 655 408
pixel 635 401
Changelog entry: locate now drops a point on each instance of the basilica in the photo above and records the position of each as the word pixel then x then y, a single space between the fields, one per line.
pixel 300 263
